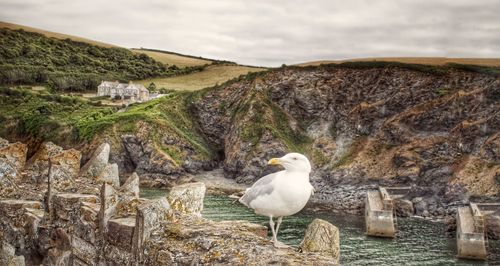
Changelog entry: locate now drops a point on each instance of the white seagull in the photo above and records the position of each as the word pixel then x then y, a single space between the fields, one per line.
pixel 283 193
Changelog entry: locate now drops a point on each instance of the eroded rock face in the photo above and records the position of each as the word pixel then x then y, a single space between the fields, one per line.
pixel 322 237
pixel 493 225
pixel 188 198
pixel 404 208
pixel 390 126
pixel 15 155
pixel 12 160
pixel 38 164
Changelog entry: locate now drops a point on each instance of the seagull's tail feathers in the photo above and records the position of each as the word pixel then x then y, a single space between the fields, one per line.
pixel 244 200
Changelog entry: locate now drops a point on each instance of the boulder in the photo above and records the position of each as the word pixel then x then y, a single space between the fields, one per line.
pixel 404 208
pixel 97 162
pixel 188 198
pixel 128 197
pixel 322 237
pixel 83 251
pixel 420 205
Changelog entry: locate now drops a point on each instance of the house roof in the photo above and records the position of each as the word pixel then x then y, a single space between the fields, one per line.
pixel 109 83
pixel 137 86
pixel 117 85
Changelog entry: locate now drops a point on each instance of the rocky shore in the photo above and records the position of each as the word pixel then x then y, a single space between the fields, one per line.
pixel 60 214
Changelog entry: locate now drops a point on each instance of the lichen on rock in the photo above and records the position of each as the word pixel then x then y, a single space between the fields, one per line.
pixel 188 198
pixel 322 237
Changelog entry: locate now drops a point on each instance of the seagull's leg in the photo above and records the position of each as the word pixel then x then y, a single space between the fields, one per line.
pixel 271 223
pixel 277 243
pixel 279 223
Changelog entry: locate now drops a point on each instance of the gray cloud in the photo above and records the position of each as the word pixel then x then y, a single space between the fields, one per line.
pixel 274 32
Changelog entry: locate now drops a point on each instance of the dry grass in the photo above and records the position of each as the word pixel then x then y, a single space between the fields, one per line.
pixel 53 34
pixel 437 61
pixel 212 75
pixel 174 59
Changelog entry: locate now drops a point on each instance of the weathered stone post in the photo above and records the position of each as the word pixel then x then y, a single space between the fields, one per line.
pixel 148 217
pixel 108 201
pixel 188 198
pixel 322 237
pixel 97 162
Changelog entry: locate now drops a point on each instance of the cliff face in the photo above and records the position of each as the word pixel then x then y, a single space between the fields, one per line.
pixel 388 125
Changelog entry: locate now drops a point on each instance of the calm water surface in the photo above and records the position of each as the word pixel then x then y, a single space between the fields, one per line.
pixel 418 242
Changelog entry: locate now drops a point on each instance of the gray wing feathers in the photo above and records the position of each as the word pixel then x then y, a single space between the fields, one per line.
pixel 261 187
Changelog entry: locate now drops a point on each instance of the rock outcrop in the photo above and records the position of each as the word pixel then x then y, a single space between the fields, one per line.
pixel 12 160
pixel 322 237
pixel 38 164
pixel 435 129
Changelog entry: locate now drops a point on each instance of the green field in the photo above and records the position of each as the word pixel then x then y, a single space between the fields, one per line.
pixel 210 76
pixel 174 59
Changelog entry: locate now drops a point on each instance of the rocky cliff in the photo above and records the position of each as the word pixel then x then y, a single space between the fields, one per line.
pixel 436 129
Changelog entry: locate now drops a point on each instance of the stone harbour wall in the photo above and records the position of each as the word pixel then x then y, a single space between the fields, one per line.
pixel 54 213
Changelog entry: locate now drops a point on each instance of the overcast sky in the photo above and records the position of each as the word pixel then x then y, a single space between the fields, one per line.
pixel 269 33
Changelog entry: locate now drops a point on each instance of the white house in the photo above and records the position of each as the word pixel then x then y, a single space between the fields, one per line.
pixel 135 92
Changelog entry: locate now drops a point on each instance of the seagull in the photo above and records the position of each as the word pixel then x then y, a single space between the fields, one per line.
pixel 283 193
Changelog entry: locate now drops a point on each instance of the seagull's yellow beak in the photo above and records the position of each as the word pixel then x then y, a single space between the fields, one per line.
pixel 274 161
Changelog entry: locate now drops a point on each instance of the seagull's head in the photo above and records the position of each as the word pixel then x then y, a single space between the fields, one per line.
pixel 292 162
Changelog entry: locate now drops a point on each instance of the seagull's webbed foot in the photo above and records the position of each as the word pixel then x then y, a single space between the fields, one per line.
pixel 279 244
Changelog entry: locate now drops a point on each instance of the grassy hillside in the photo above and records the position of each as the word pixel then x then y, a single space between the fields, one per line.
pixel 436 61
pixel 51 34
pixel 47 116
pixel 210 76
pixel 178 60
pixel 70 120
pixel 32 58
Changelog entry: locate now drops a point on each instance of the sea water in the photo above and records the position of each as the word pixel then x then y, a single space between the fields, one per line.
pixel 418 241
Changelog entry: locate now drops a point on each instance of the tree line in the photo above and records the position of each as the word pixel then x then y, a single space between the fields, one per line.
pixel 67 65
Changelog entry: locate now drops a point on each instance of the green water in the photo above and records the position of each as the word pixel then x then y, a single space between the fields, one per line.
pixel 418 242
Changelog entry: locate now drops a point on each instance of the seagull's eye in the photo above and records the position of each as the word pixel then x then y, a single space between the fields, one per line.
pixel 295 158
